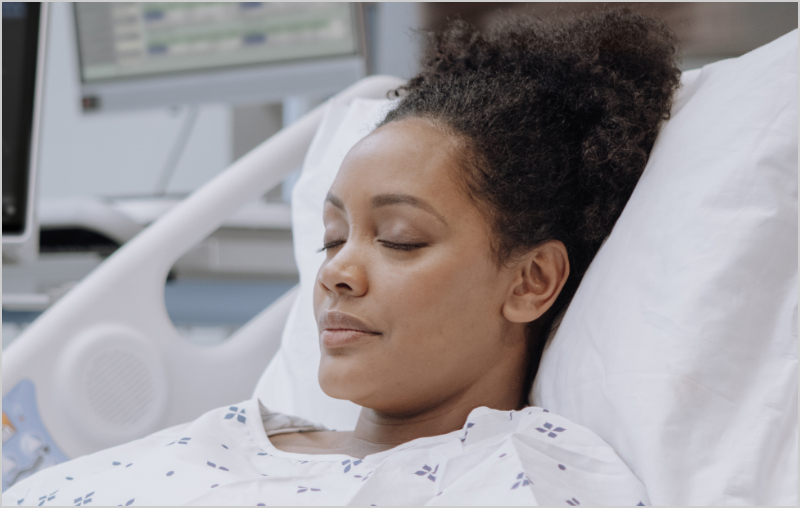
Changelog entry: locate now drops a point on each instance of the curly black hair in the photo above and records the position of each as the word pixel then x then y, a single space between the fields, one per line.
pixel 557 119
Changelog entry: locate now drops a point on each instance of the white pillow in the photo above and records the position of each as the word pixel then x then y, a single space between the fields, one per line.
pixel 679 348
pixel 680 345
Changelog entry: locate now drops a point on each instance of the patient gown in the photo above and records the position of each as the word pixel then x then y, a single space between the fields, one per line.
pixel 225 457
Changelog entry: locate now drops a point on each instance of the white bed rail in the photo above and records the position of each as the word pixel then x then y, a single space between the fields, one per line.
pixel 108 365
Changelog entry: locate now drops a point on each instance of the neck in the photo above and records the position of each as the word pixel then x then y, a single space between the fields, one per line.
pixel 381 430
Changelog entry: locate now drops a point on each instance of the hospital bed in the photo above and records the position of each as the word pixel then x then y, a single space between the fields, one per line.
pixel 105 365
pixel 111 340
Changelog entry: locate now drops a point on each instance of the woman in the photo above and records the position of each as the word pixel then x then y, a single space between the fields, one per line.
pixel 455 233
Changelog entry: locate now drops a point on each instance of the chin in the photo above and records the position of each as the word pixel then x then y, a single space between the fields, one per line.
pixel 362 388
pixel 342 381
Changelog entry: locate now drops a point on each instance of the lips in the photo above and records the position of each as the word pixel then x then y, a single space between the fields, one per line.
pixel 338 329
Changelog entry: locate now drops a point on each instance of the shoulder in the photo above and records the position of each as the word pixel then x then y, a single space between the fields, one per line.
pixel 539 436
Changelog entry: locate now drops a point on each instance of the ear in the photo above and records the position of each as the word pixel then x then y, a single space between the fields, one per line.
pixel 537 281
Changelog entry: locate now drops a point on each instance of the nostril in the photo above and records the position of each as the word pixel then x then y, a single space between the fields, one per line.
pixel 342 285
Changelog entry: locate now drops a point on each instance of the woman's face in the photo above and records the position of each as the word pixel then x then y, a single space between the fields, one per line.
pixel 409 298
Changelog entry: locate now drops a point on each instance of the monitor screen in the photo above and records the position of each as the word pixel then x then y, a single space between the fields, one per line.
pixel 20 47
pixel 129 40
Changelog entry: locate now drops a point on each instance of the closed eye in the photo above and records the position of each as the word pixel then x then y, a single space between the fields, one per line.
pixel 391 245
pixel 402 246
pixel 330 245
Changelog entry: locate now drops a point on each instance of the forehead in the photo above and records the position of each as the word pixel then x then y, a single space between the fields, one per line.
pixel 407 156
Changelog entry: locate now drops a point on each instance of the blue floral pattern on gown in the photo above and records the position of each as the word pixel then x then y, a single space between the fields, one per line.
pixel 225 457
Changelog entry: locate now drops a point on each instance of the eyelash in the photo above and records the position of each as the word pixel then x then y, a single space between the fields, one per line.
pixel 330 245
pixel 391 245
pixel 403 246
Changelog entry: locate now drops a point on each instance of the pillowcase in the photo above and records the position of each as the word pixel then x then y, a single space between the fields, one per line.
pixel 680 345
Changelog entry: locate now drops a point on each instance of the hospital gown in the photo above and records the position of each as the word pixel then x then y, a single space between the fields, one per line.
pixel 225 457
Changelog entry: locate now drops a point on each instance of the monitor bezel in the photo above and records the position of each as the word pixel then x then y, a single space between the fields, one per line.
pixel 29 226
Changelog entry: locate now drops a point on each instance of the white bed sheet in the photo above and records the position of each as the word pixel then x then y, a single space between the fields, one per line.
pixel 525 457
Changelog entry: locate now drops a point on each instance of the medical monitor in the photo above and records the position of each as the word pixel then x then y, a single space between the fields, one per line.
pixel 138 55
pixel 24 33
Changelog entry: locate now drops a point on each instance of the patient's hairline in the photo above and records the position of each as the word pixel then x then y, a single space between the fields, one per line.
pixel 391 199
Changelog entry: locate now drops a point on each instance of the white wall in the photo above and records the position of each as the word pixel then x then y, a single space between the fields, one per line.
pixel 122 153
pixel 397 49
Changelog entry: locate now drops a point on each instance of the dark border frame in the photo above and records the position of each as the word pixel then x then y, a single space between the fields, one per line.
pixel 32 21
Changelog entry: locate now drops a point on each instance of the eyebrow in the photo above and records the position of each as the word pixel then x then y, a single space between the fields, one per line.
pixel 392 199
pixel 335 201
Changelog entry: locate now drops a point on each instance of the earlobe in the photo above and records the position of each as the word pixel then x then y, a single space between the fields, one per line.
pixel 539 278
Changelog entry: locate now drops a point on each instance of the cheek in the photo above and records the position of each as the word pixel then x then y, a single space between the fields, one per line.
pixel 447 300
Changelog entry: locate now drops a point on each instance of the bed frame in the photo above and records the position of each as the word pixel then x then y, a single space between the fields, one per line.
pixel 106 363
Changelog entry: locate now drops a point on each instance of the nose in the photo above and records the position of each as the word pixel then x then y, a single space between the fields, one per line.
pixel 344 274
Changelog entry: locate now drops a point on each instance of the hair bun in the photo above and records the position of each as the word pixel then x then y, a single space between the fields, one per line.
pixel 557 117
